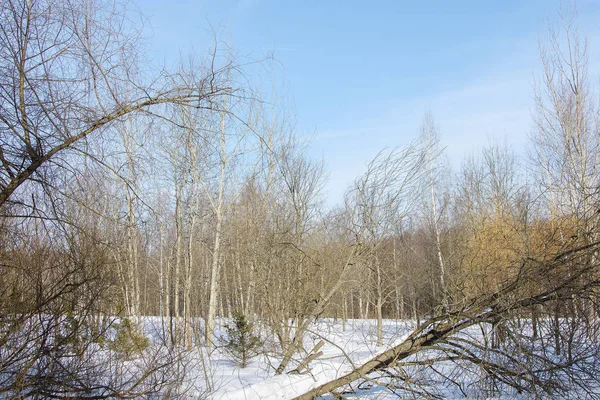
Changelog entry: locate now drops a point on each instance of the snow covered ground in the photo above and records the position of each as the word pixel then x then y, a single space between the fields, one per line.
pixel 197 372
pixel 343 349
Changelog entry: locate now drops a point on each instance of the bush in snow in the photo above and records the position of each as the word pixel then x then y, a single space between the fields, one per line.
pixel 128 339
pixel 241 342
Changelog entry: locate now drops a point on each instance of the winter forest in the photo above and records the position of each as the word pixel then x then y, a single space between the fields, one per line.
pixel 164 233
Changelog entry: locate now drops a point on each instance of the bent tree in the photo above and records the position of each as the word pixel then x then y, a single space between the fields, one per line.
pixel 539 281
pixel 69 70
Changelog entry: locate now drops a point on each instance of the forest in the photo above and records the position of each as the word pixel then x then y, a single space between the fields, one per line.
pixel 152 222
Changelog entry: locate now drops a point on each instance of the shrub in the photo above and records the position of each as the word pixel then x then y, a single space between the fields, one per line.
pixel 241 343
pixel 128 339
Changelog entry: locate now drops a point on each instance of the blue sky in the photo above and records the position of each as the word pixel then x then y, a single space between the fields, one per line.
pixel 363 74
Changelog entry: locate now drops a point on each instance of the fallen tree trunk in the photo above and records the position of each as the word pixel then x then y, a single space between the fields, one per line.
pixel 313 355
pixel 414 343
pixel 513 296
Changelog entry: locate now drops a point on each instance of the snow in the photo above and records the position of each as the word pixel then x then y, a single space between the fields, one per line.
pixel 214 374
pixel 341 350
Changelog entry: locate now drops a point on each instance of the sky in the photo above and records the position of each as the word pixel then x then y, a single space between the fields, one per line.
pixel 362 75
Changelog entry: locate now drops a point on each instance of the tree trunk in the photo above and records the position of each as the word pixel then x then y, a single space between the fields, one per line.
pixel 215 268
pixel 420 339
pixel 315 312
pixel 379 304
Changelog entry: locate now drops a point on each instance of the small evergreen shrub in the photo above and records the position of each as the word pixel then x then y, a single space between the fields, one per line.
pixel 241 342
pixel 71 334
pixel 128 340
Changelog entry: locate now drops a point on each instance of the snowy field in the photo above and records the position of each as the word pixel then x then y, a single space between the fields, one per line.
pixel 345 346
pixel 342 349
pixel 193 371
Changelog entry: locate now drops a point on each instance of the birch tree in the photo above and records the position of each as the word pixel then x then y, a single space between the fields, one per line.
pixel 68 77
pixel 435 207
pixel 567 148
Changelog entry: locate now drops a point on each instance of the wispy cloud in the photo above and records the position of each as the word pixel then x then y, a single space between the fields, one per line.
pixel 495 106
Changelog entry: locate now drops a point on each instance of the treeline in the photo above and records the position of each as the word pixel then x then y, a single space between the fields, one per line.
pixel 188 195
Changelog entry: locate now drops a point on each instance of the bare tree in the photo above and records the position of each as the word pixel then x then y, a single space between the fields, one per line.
pixel 301 181
pixel 383 196
pixel 435 208
pixel 567 123
pixel 566 151
pixel 68 71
